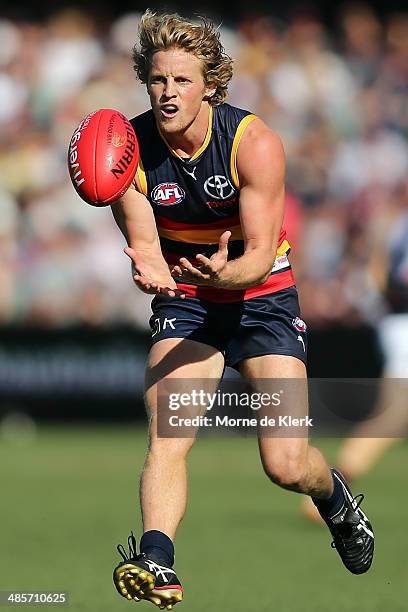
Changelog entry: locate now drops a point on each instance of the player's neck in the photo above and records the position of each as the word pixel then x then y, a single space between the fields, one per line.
pixel 188 142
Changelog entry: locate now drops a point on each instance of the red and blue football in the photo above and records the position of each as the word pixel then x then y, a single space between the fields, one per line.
pixel 103 156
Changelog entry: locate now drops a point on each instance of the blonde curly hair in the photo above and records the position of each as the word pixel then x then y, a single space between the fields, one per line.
pixel 159 32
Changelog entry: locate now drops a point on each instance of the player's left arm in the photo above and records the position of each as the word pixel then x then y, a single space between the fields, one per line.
pixel 261 171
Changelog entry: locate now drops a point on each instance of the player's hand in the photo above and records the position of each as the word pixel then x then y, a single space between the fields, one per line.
pixel 151 280
pixel 210 269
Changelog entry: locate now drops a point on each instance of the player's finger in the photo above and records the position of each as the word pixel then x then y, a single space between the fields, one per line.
pixel 187 266
pixel 167 291
pixel 141 279
pixel 207 269
pixel 223 241
pixel 190 272
pixel 172 292
pixel 205 261
pixel 193 273
pixel 131 253
pixel 176 271
pixel 143 282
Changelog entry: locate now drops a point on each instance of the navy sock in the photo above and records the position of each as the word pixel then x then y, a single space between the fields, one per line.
pixel 332 505
pixel 158 546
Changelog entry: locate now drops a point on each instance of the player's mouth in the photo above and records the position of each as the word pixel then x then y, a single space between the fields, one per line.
pixel 169 110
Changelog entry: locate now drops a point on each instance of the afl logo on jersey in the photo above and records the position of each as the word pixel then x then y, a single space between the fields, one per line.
pixel 168 194
pixel 218 187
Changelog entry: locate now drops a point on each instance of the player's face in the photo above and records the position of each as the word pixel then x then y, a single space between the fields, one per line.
pixel 176 88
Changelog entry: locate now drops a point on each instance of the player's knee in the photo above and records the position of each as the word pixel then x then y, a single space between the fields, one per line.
pixel 288 473
pixel 168 449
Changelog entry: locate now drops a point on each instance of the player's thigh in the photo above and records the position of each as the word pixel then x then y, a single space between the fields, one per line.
pixel 272 366
pixel 177 366
pixel 186 363
pixel 285 445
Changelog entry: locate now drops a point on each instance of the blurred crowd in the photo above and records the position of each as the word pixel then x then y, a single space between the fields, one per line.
pixel 337 99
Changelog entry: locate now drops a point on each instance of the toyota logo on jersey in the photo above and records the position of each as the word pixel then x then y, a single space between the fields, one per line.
pixel 168 194
pixel 218 187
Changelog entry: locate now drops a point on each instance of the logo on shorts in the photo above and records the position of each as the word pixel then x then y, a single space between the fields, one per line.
pixel 299 324
pixel 218 187
pixel 159 325
pixel 168 194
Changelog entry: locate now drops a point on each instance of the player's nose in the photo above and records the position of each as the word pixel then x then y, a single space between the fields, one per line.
pixel 169 90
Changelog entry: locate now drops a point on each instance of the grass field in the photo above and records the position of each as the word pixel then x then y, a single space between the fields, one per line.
pixel 69 496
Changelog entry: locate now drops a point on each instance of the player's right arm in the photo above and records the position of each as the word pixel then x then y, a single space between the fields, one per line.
pixel 134 217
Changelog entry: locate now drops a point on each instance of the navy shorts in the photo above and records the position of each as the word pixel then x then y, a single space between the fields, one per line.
pixel 266 325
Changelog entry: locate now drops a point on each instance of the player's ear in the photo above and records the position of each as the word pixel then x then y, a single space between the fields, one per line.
pixel 210 90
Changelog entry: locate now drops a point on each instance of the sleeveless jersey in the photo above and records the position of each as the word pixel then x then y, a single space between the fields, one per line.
pixel 195 200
